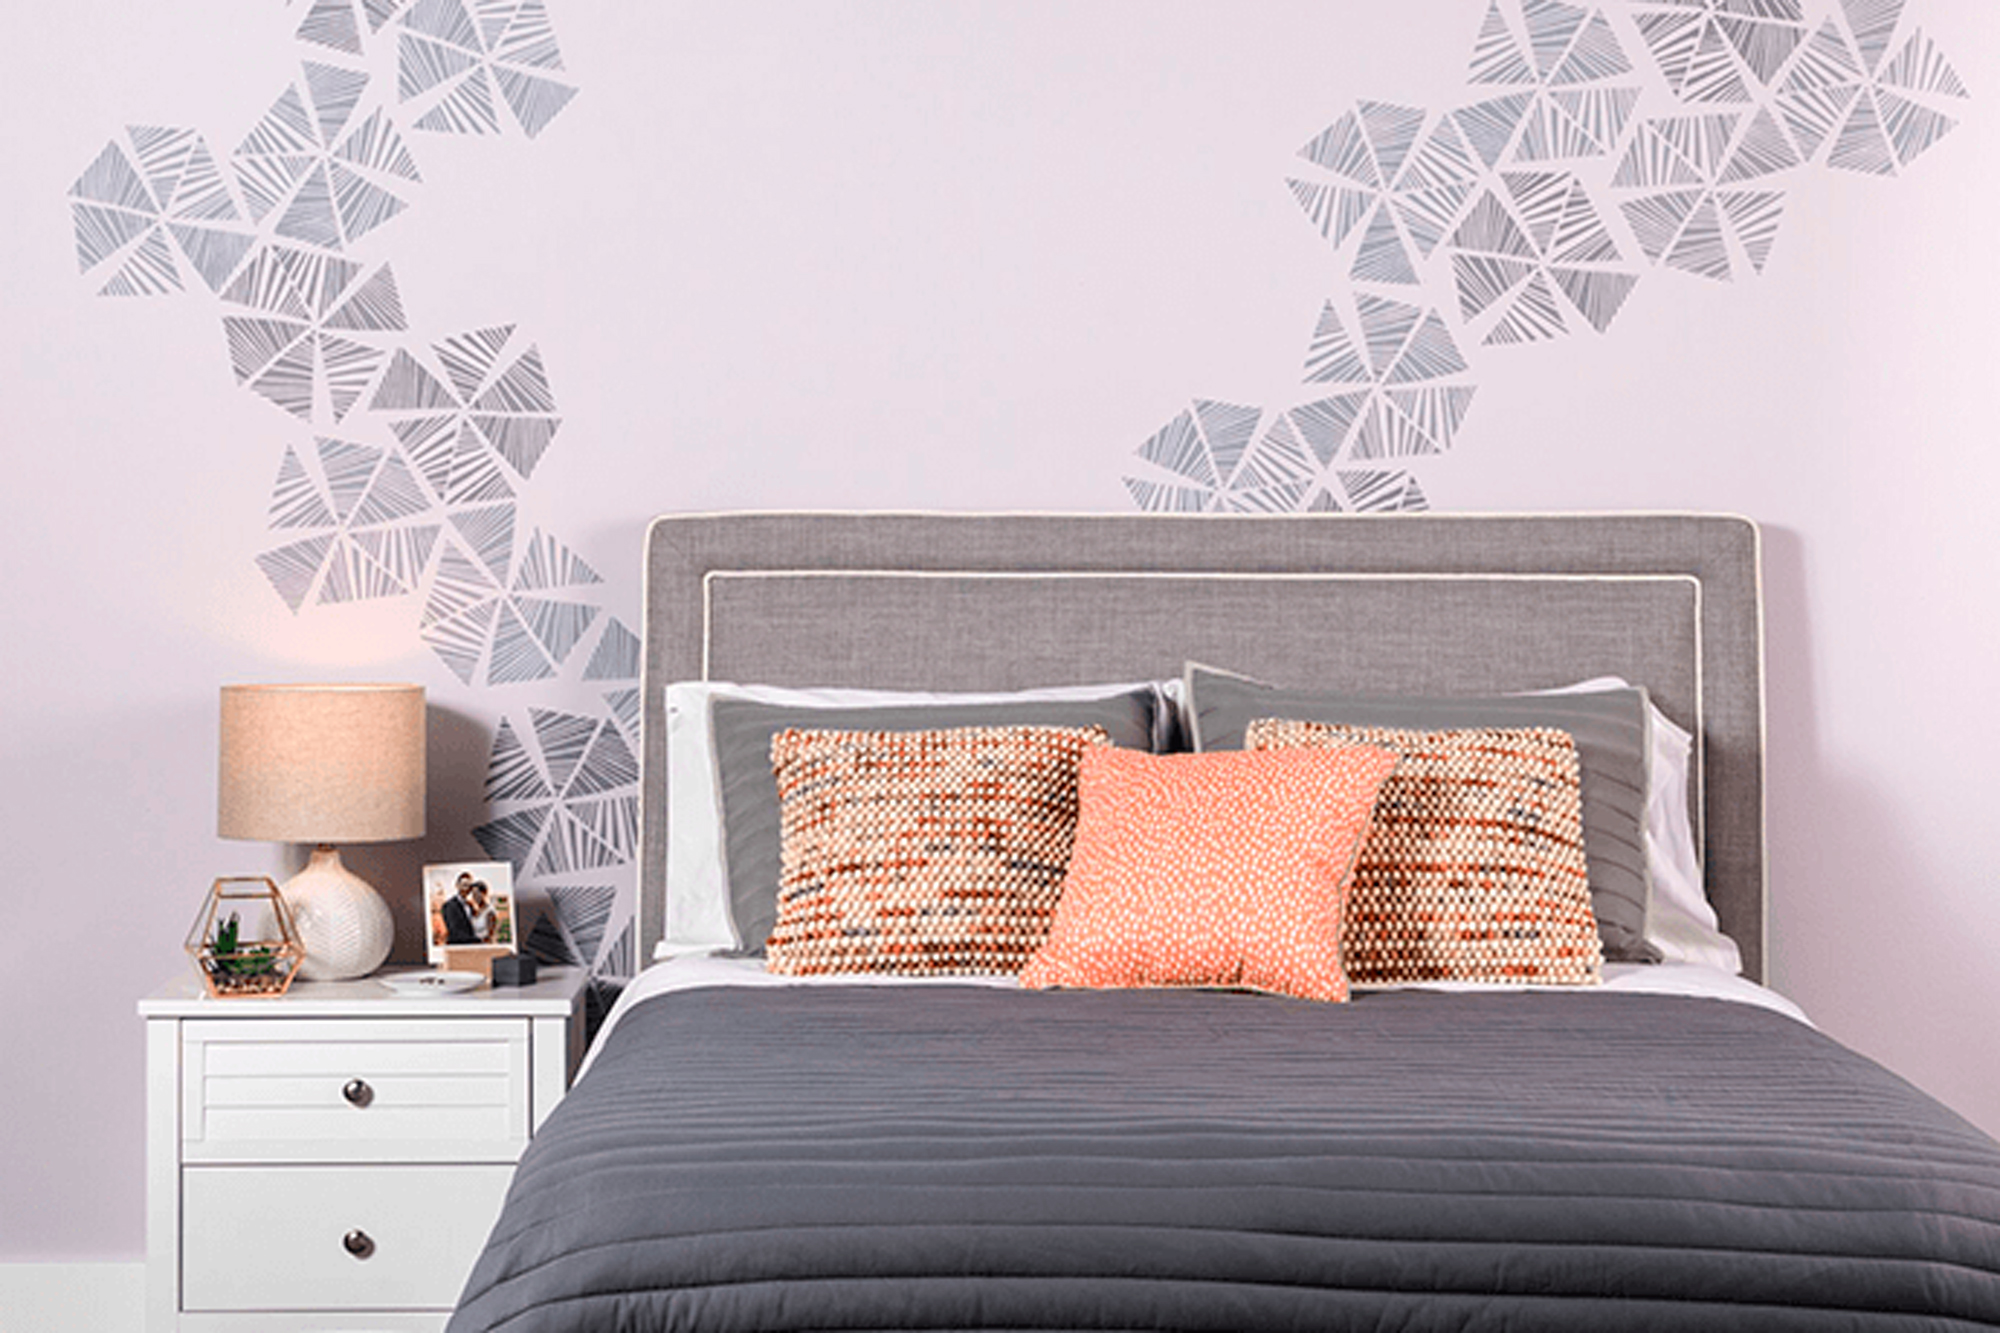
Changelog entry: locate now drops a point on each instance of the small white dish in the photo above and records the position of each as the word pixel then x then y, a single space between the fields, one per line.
pixel 432 983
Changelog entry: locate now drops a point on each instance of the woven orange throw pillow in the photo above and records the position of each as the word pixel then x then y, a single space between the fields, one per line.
pixel 1474 870
pixel 922 852
pixel 1225 869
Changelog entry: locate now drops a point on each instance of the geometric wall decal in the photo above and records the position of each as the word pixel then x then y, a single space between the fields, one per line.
pixel 1496 54
pixel 1763 150
pixel 1488 125
pixel 139 215
pixel 1400 343
pixel 324 178
pixel 624 706
pixel 1382 256
pixel 293 568
pixel 564 738
pixel 409 387
pixel 463 69
pixel 1911 127
pixel 1569 69
pixel 1896 114
pixel 461 611
pixel 570 846
pixel 512 837
pixel 614 965
pixel 547 944
pixel 382 562
pixel 616 656
pixel 372 510
pixel 1400 391
pixel 185 181
pixel 515 656
pixel 1179 448
pixel 586 912
pixel 332 24
pixel 296 502
pixel 1814 97
pixel 311 322
pixel 1382 492
pixel 1212 458
pixel 546 563
pixel 1538 235
pixel 1507 185
pixel 473 414
pixel 1921 68
pixel 1397 391
pixel 557 626
pixel 511 772
pixel 1873 23
pixel 612 822
pixel 468 358
pixel 454 461
pixel 489 533
pixel 1376 163
pixel 1693 208
pixel 1717 50
pixel 607 766
pixel 480 422
pixel 592 823
pixel 1862 145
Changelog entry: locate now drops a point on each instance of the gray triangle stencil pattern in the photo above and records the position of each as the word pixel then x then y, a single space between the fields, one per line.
pixel 1593 144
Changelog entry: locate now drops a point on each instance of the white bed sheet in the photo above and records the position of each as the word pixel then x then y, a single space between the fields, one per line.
pixel 692 971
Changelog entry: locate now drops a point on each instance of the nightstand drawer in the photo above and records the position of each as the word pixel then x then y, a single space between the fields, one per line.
pixel 314 1090
pixel 333 1238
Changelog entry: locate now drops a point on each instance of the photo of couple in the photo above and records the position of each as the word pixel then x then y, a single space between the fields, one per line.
pixel 468 915
pixel 471 907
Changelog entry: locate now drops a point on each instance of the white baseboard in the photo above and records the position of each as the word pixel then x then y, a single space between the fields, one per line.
pixel 72 1298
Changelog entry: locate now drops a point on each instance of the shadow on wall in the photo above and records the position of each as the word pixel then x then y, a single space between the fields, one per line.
pixel 454 802
pixel 1854 897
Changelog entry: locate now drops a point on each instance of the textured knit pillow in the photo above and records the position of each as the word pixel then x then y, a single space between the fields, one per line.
pixel 922 852
pixel 1474 870
pixel 1613 754
pixel 1212 870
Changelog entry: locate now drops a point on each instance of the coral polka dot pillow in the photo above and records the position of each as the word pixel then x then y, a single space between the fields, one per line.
pixel 1224 869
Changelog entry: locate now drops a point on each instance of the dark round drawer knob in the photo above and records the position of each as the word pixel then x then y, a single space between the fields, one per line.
pixel 357 1092
pixel 358 1243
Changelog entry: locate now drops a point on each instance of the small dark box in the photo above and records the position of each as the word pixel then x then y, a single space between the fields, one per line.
pixel 513 969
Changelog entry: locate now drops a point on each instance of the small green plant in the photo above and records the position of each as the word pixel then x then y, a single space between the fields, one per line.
pixel 235 959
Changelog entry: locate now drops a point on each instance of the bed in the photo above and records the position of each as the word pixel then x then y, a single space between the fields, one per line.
pixel 1669 1146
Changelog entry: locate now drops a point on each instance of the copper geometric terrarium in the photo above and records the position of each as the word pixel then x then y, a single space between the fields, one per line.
pixel 243 942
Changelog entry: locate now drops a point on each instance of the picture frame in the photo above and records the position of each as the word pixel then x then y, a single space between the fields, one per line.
pixel 470 914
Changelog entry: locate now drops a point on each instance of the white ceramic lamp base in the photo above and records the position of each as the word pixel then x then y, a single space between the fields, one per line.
pixel 346 928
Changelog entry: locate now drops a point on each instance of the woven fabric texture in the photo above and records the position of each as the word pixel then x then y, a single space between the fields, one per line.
pixel 936 852
pixel 1474 869
pixel 1225 869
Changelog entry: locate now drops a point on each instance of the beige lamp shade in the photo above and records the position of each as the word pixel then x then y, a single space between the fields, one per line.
pixel 322 763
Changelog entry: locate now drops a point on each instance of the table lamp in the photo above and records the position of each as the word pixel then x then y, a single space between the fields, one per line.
pixel 325 764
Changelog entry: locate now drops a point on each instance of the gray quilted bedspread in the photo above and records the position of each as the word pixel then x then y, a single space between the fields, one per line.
pixel 959 1158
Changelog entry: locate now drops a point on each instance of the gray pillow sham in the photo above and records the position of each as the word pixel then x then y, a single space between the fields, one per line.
pixel 1613 740
pixel 749 794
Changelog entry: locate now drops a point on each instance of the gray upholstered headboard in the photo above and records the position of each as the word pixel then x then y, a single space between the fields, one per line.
pixel 1427 603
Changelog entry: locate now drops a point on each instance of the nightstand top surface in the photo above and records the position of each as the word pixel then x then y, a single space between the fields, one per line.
pixel 554 993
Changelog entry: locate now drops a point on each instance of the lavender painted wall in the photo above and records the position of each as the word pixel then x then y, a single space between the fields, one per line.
pixel 358 338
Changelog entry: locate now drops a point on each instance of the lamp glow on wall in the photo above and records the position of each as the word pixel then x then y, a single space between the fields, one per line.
pixel 325 764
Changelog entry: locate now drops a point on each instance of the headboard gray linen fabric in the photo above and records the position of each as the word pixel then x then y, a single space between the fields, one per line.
pixel 1418 604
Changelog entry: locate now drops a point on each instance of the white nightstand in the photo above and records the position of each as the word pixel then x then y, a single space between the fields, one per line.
pixel 334 1158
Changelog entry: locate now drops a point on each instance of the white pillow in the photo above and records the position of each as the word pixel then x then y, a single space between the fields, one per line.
pixel 1680 921
pixel 698 918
